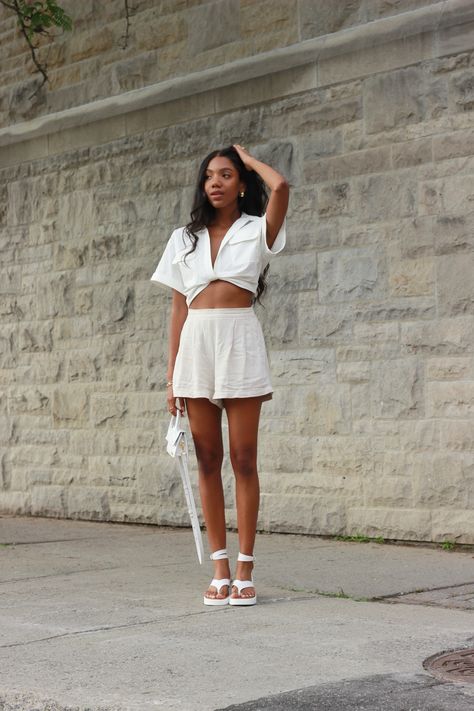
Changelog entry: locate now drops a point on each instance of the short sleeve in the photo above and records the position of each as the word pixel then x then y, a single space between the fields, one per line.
pixel 280 239
pixel 166 272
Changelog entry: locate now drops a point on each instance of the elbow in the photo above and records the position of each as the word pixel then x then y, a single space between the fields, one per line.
pixel 282 187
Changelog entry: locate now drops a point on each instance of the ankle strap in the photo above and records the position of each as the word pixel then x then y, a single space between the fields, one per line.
pixel 245 557
pixel 218 555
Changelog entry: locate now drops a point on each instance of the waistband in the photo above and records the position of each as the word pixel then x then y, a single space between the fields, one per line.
pixel 239 312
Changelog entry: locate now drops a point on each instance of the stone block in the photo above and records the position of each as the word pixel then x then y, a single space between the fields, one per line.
pixel 411 153
pixel 451 525
pixel 87 44
pixel 385 197
pixel 350 274
pixel 318 17
pixel 353 373
pixel 316 116
pixel 100 442
pixel 395 99
pixel 83 301
pixel 69 256
pixel 89 503
pixel 49 501
pixel 420 436
pixel 455 285
pixel 374 332
pixel 294 272
pixel 406 524
pixel 454 234
pixel 107 409
pixel 361 408
pixel 368 58
pixel 297 367
pixel 70 407
pixel 450 196
pixel 440 480
pixel 15 503
pixel 401 308
pixel 396 388
pixel 113 308
pixel 389 491
pixel 76 213
pixel 280 155
pixel 457 434
pixel 231 127
pixel 334 200
pixel 360 235
pixel 156 30
pixel 301 514
pixel 330 409
pixel 449 336
pixel 317 144
pixel 318 324
pixel 55 295
pixel 450 368
pixel 222 16
pixel 450 399
pixel 412 277
pixel 429 235
pixel 278 316
pixel 286 454
pixel 20 203
pixel 10 280
pixel 29 400
pixel 370 160
pixel 84 365
pixel 453 145
pixel 462 86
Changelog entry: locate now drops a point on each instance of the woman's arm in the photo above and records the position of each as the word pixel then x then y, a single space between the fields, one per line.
pixel 279 196
pixel 179 311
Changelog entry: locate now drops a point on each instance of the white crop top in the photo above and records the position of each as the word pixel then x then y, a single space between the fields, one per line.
pixel 242 256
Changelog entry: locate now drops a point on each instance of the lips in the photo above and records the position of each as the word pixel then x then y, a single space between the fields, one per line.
pixel 217 194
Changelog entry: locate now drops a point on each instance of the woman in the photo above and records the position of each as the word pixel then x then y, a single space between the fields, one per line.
pixel 217 359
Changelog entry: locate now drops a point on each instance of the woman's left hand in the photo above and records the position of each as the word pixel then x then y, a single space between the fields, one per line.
pixel 245 155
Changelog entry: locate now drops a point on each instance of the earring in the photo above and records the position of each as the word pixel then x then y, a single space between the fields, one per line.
pixel 242 194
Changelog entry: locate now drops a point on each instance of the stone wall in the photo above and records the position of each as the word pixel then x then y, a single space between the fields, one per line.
pixel 369 315
pixel 167 38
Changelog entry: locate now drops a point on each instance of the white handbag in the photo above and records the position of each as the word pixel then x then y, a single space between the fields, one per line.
pixel 177 447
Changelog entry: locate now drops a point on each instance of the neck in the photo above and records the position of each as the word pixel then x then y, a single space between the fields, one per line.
pixel 226 215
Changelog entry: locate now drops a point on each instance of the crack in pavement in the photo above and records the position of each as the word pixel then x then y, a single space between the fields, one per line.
pixel 382 598
pixel 103 628
pixel 58 575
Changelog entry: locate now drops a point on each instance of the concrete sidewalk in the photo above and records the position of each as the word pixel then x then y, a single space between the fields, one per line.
pixel 110 616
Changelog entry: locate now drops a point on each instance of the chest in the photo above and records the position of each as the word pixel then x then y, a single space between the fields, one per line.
pixel 215 236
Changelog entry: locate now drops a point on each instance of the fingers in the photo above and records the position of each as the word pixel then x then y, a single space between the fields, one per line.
pixel 172 408
pixel 171 404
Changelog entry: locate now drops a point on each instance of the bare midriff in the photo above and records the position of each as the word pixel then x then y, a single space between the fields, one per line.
pixel 222 294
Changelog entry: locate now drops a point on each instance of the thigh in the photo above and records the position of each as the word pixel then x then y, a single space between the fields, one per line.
pixel 205 422
pixel 243 416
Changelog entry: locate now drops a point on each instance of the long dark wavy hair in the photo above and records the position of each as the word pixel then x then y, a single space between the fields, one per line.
pixel 253 203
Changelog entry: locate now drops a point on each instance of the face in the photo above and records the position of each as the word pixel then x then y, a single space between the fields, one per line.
pixel 222 183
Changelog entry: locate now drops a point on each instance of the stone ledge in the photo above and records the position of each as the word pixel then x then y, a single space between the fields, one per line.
pixel 424 20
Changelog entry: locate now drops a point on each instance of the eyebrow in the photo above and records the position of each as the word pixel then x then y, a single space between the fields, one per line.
pixel 220 170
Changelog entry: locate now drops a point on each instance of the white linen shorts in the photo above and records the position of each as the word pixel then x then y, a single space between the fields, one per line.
pixel 221 355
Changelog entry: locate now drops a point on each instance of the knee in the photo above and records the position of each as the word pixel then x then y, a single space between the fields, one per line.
pixel 244 461
pixel 209 460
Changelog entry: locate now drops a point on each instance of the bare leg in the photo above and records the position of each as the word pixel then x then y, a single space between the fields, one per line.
pixel 205 422
pixel 243 415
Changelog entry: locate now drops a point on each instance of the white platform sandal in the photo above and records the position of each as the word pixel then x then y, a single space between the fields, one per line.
pixel 218 583
pixel 241 584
